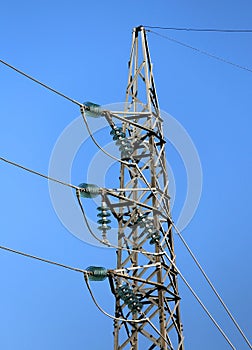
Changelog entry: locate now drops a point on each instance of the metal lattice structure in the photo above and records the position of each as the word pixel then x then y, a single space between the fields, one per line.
pixel 147 306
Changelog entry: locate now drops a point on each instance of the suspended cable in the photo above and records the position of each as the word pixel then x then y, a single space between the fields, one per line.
pixel 38 173
pixel 200 302
pixel 43 260
pixel 111 192
pixel 202 51
pixel 40 83
pixel 211 285
pixel 202 29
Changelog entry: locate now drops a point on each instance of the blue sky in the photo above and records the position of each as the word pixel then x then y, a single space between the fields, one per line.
pixel 82 49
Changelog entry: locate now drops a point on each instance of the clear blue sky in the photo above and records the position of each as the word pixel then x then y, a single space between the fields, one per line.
pixel 82 49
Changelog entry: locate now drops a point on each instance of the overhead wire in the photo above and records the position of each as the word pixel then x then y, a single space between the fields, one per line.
pixel 43 260
pixel 217 30
pixel 38 173
pixel 40 83
pixel 81 105
pixel 200 302
pixel 109 191
pixel 211 285
pixel 201 51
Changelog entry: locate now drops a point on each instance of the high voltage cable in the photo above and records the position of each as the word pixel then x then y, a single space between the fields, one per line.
pixel 106 190
pixel 201 303
pixel 44 260
pixel 202 29
pixel 79 104
pixel 201 51
pixel 40 83
pixel 38 173
pixel 211 285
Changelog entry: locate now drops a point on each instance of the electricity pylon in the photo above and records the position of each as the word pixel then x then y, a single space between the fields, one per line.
pixel 144 283
pixel 147 308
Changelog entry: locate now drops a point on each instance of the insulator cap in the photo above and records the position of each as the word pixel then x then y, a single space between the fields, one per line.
pixel 93 110
pixel 98 273
pixel 90 190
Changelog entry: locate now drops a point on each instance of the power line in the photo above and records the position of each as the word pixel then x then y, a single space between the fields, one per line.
pixel 217 30
pixel 40 83
pixel 44 260
pixel 38 173
pixel 211 285
pixel 201 303
pixel 201 51
pixel 76 102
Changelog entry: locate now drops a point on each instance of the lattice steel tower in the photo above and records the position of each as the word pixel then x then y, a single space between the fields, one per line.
pixel 146 290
